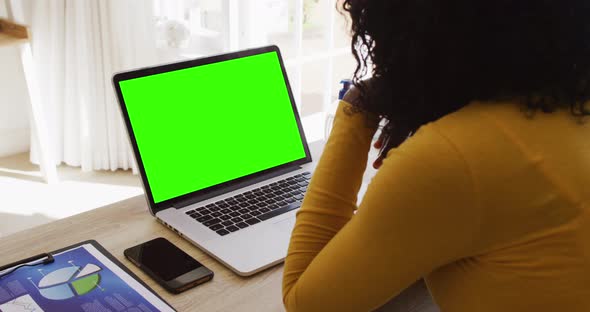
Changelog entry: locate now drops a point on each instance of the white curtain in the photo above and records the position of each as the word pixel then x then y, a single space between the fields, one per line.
pixel 77 47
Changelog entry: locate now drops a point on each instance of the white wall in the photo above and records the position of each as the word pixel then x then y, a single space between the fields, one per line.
pixel 14 105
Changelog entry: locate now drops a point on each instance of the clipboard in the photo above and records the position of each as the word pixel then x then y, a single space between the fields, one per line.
pixel 79 281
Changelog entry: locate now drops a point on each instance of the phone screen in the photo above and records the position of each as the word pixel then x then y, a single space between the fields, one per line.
pixel 164 259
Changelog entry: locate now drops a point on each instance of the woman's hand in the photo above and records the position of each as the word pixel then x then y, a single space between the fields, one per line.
pixel 378 145
pixel 353 97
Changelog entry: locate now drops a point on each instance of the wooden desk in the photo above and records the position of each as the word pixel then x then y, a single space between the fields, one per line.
pixel 128 223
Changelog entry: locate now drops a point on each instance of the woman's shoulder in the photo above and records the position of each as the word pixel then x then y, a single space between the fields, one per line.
pixel 474 133
pixel 480 123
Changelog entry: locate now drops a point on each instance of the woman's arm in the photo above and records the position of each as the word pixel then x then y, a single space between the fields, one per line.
pixel 418 213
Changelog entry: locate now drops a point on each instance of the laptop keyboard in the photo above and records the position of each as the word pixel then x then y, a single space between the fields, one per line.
pixel 243 210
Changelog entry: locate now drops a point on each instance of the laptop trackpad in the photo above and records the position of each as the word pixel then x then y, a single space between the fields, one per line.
pixel 286 225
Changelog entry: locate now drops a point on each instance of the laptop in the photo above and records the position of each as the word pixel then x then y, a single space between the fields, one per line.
pixel 221 152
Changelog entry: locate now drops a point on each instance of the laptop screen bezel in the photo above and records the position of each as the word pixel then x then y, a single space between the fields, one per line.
pixel 229 185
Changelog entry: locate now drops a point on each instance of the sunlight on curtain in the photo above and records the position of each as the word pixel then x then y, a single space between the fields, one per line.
pixel 77 47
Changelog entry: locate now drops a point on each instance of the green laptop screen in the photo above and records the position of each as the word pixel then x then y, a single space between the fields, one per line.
pixel 202 126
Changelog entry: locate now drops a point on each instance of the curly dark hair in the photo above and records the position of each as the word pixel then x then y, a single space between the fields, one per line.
pixel 430 58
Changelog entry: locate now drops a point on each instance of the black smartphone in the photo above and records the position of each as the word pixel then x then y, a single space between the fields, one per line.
pixel 168 265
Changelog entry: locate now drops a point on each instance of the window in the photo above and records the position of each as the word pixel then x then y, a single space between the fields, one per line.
pixel 311 34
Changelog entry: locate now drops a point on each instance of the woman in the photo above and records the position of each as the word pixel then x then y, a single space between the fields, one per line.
pixel 488 199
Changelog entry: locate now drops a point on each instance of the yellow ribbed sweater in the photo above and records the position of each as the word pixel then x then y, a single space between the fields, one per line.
pixel 489 206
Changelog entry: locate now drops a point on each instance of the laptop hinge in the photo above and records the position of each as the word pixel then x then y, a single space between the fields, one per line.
pixel 270 175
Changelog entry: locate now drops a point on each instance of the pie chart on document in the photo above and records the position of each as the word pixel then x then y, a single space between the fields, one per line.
pixel 69 282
